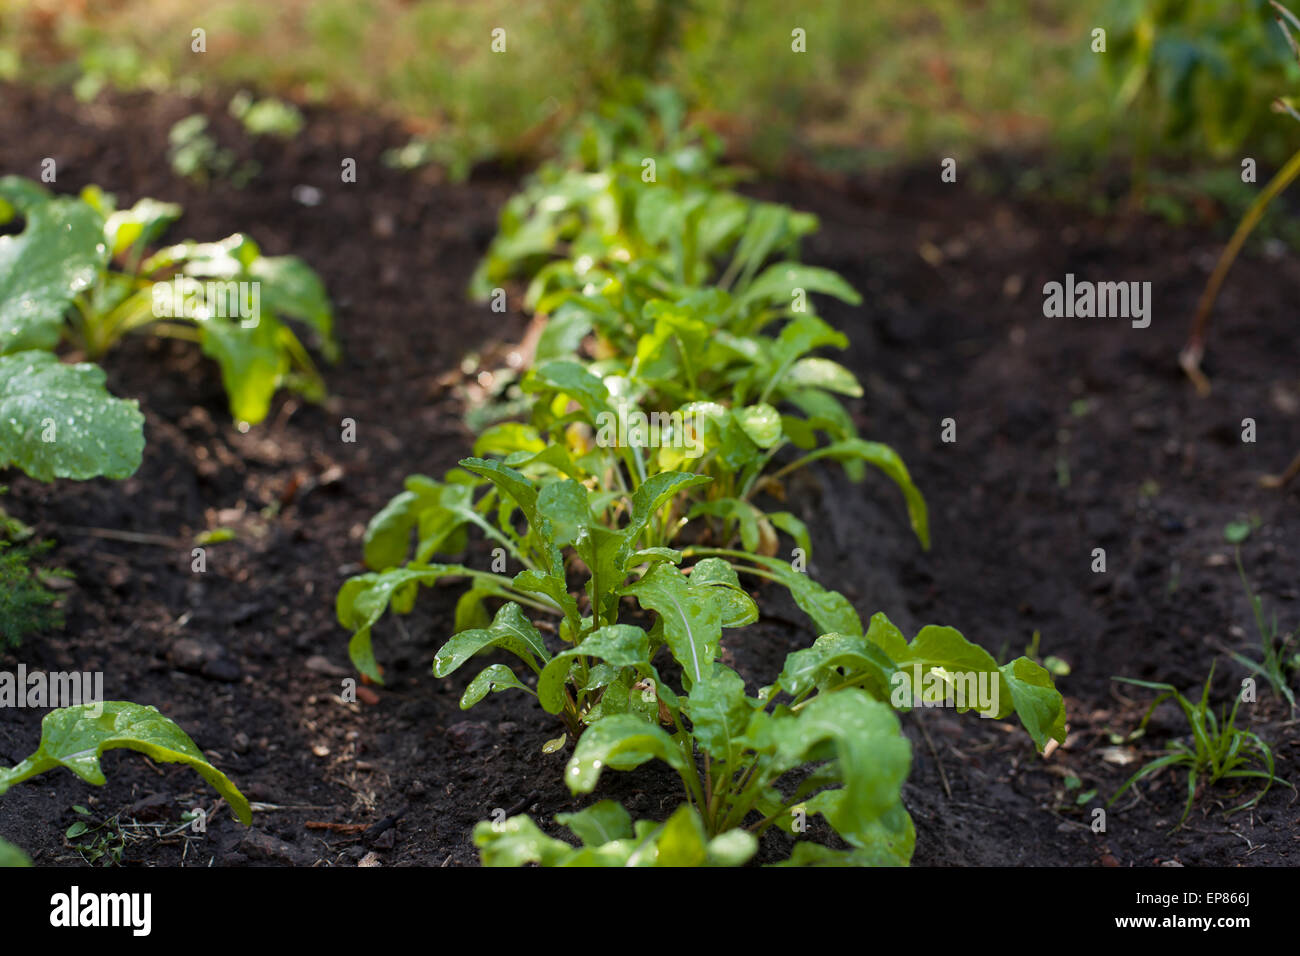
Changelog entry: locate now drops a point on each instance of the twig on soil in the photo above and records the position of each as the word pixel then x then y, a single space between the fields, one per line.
pixel 943 777
pixel 132 537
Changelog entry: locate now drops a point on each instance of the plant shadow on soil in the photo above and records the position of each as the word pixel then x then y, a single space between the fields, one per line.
pixel 1072 434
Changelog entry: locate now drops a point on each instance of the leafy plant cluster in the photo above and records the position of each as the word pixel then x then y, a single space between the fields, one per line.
pixel 672 299
pixel 1194 69
pixel 81 272
pixel 76 737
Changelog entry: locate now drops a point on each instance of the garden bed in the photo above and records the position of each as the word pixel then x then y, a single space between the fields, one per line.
pixel 1072 434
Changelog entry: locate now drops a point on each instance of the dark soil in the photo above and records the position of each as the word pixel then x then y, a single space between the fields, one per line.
pixel 1072 434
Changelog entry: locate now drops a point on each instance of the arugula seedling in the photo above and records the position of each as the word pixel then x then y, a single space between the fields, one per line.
pixel 824 739
pixel 75 738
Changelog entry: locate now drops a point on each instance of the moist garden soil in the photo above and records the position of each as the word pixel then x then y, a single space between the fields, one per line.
pixel 1071 435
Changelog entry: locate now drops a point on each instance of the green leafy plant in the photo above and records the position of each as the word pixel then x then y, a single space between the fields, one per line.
pixel 99 284
pixel 1191 69
pixel 102 843
pixel 61 422
pixel 1219 749
pixel 609 838
pixel 195 155
pixel 74 738
pixel 824 739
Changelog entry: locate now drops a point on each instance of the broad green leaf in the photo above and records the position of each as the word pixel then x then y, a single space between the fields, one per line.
pixel 738 608
pixel 1037 702
pixel 56 257
pixel 510 630
pixel 58 421
pixel 682 842
pixel 719 712
pixel 692 617
pixel 388 534
pixel 289 287
pixel 623 742
pixel 829 610
pixel 253 363
pixel 864 737
pixel 76 737
pixel 958 664
pixel 517 841
pixel 599 823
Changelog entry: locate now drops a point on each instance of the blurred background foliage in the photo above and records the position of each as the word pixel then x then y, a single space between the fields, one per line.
pixel 1183 84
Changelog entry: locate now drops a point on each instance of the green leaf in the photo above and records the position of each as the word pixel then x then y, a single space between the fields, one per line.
pixel 57 256
pixel 778 282
pixel 599 823
pixel 873 758
pixel 692 617
pixel 761 422
pixel 719 712
pixel 492 679
pixel 620 741
pixel 738 608
pixel 140 226
pixel 1038 704
pixel 838 660
pixel 76 737
pixel 510 630
pixel 829 610
pixel 388 534
pixel 622 645
pixel 517 841
pixel 823 373
pixel 90 433
pixel 289 287
pixel 253 363
pixel 363 599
